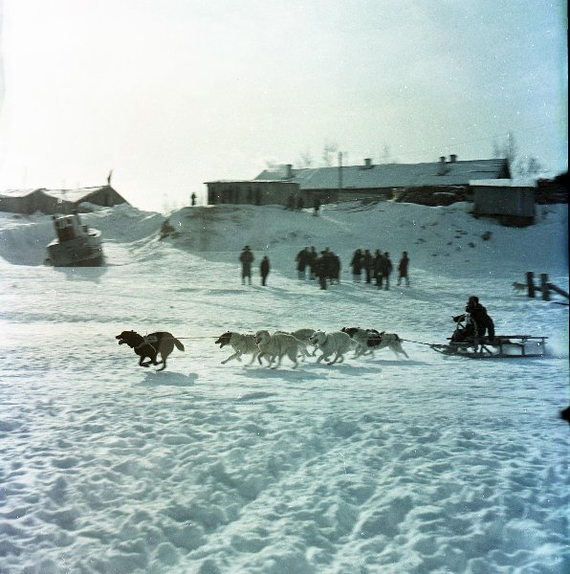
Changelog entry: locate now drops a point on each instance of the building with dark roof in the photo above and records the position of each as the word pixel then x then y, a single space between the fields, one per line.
pixel 52 201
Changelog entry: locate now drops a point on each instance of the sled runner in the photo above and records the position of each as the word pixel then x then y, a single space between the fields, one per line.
pixel 500 347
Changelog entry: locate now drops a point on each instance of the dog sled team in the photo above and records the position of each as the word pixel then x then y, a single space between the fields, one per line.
pixel 330 347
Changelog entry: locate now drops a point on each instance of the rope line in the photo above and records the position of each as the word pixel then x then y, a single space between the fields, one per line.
pixel 422 343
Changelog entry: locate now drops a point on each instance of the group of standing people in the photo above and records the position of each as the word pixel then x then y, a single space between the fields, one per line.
pixel 246 259
pixel 298 204
pixel 326 267
pixel 379 267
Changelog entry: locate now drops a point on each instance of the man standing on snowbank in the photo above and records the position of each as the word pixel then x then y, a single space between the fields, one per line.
pixel 246 259
pixel 264 269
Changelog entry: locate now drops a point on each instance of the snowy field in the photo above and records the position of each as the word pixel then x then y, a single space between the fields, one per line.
pixel 431 464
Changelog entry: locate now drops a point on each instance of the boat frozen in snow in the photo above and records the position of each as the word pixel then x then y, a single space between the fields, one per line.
pixel 76 244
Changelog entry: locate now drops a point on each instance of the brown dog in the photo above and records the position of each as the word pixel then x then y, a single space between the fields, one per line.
pixel 150 346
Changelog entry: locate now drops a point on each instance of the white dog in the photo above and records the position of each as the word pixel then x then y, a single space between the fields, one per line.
pixel 278 345
pixel 336 343
pixel 241 344
pixel 303 335
pixel 393 342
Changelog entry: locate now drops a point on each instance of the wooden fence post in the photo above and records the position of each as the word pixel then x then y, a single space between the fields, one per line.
pixel 544 287
pixel 530 283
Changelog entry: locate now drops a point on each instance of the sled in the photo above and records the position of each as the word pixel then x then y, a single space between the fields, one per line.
pixel 501 347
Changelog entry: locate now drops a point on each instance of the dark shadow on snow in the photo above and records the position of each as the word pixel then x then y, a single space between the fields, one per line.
pixel 82 273
pixel 168 379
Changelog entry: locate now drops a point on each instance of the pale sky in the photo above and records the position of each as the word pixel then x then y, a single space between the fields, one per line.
pixel 173 93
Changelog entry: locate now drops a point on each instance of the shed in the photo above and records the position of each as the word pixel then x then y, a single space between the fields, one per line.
pixel 54 201
pixel 511 201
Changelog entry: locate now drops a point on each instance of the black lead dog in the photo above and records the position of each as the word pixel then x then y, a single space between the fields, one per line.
pixel 150 346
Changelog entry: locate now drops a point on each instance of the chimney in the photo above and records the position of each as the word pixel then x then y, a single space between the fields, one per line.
pixel 441 166
pixel 453 158
pixel 288 171
pixel 367 163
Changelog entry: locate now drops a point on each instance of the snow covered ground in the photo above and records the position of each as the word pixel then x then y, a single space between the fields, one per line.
pixel 377 465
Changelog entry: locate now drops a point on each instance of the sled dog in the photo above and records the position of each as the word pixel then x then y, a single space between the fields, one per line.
pixel 242 344
pixel 365 339
pixel 160 343
pixel 335 343
pixel 278 345
pixel 518 287
pixel 393 342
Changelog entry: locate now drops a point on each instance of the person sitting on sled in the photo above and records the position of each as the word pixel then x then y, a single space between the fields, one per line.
pixel 474 324
pixel 483 323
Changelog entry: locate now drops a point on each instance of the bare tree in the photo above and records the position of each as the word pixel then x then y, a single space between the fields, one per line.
pixel 305 160
pixel 507 150
pixel 386 156
pixel 528 167
pixel 329 153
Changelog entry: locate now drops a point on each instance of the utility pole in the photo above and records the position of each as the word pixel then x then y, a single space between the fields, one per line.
pixel 339 171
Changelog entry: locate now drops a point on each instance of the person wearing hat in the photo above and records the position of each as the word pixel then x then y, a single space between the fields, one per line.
pixel 482 322
pixel 246 259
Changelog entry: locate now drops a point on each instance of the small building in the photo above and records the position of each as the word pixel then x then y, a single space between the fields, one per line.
pixel 254 192
pixel 54 201
pixel 512 202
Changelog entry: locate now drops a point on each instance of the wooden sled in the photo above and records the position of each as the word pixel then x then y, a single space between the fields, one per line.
pixel 501 347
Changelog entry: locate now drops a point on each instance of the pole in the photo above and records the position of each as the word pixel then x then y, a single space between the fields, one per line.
pixel 544 287
pixel 339 172
pixel 530 283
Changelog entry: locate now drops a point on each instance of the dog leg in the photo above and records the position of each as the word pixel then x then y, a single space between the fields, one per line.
pixel 235 355
pixel 333 361
pixel 293 356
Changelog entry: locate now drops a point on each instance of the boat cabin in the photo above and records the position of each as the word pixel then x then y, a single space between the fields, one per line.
pixel 69 227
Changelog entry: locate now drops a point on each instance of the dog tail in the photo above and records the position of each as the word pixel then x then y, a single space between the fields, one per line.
pixel 178 344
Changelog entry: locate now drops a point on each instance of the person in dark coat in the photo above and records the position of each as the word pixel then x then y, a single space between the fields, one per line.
pixel 264 269
pixel 356 264
pixel 246 259
pixel 312 257
pixel 335 266
pixel 403 269
pixel 387 269
pixel 384 268
pixel 316 206
pixel 321 269
pixel 367 265
pixel 377 259
pixel 302 259
pixel 482 321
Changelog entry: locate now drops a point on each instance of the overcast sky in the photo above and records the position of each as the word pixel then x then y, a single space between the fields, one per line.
pixel 172 93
